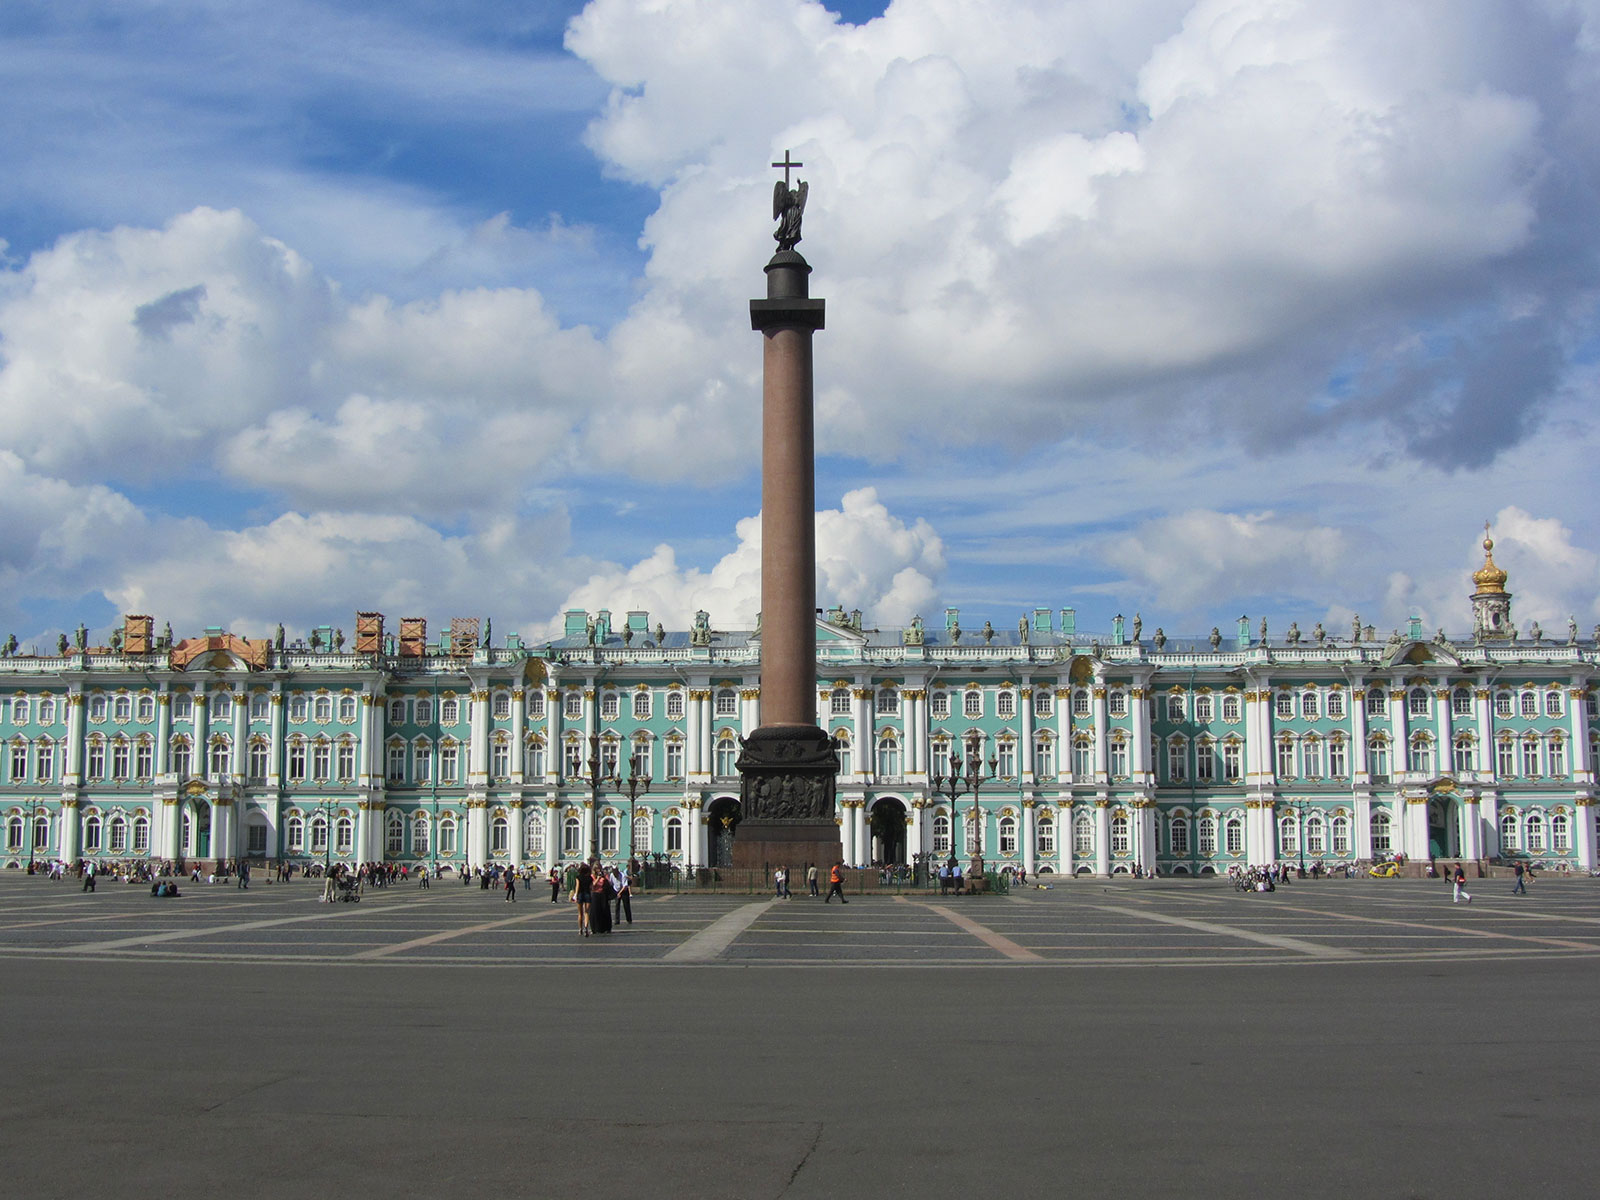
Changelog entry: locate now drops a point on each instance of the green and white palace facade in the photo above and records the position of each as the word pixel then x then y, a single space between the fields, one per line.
pixel 1095 755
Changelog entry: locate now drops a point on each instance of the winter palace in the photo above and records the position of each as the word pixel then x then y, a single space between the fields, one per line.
pixel 1073 754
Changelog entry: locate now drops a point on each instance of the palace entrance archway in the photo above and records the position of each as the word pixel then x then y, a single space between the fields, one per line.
pixel 889 831
pixel 722 823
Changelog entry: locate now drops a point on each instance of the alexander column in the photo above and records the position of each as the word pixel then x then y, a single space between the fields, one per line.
pixel 787 766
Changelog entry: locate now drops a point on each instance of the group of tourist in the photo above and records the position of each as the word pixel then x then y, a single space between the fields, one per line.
pixel 596 888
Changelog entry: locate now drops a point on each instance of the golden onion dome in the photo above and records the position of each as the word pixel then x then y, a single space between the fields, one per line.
pixel 1489 578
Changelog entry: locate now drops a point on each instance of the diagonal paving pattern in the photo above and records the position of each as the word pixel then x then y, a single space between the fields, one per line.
pixel 1082 923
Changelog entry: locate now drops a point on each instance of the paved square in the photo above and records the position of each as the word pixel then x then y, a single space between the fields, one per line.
pixel 1178 1038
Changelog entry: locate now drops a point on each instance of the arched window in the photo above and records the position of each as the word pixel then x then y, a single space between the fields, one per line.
pixel 1178 835
pixel 1044 757
pixel 447 835
pixel 938 706
pixel 122 707
pixel 571 834
pixel 1462 753
pixel 1533 830
pixel 1341 834
pixel 319 834
pixel 499 835
pixel 1417 702
pixel 1080 702
pixel 395 834
pixel 727 756
pixel 1008 835
pixel 1338 758
pixel 1336 704
pixel 1560 833
pixel 1120 842
pixel 1377 701
pixel 180 756
pixel 888 701
pixel 1233 831
pixel 1530 756
pixel 1207 836
pixel 1044 834
pixel 1082 757
pixel 217 766
pixel 1202 709
pixel 610 705
pixel 141 834
pixel 1504 705
pixel 1083 835
pixel 117 841
pixel 841 747
pixel 641 705
pixel 1230 708
pixel 121 755
pixel 259 758
pixel 1378 758
pixel 888 756
pixel 96 767
pixel 941 833
pixel 727 702
pixel 1552 702
pixel 1043 704
pixel 1288 834
pixel 420 839
pixel 1119 758
pixel 501 705
pixel 16 831
pixel 396 770
pixel 1117 703
pixel 450 709
pixel 1461 702
pixel 1315 834
pixel 972 703
pixel 91 833
pixel 641 834
pixel 1233 760
pixel 347 709
pixel 322 709
pixel 1006 759
pixel 294 835
pixel 674 706
pixel 1005 704
pixel 1510 831
pixel 535 767
pixel 1382 833
pixel 533 835
pixel 1556 754
pixel 674 830
pixel 609 830
pixel 1420 758
pixel 1205 760
pixel 147 707
pixel 1175 706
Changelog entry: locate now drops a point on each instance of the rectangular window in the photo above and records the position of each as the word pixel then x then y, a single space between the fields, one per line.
pixel 1310 706
pixel 674 760
pixel 1177 762
pixel 1042 703
pixel 572 761
pixel 839 703
pixel 1005 705
pixel 1119 759
pixel 641 706
pixel 1045 836
pixel 347 761
pixel 297 762
pixel 1284 709
pixel 397 764
pixel 502 705
pixel 1205 762
pixel 572 705
pixel 1178 838
pixel 424 712
pixel 1462 757
pixel 1530 759
pixel 1336 704
pixel 321 760
pixel 536 704
pixel 423 762
pixel 1378 760
pixel 972 704
pixel 257 846
pixel 610 706
pixel 449 762
pixel 97 760
pixel 1233 761
pixel 19 762
pixel 1377 703
pixel 1505 758
pixel 144 760
pixel 1558 758
pixel 1286 760
pixel 500 760
pixel 260 706
pixel 1044 759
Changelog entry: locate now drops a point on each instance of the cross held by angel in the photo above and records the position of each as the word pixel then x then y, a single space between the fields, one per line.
pixel 788 205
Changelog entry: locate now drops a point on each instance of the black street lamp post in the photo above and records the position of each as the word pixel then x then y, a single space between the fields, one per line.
pixel 596 778
pixel 634 784
pixel 966 777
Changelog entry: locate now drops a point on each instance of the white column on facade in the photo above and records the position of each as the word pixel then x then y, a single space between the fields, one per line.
pixel 1139 752
pixel 241 737
pixel 1145 834
pixel 363 846
pixel 172 830
pixel 916 718
pixel 1583 833
pixel 163 733
pixel 1415 826
pixel 1482 698
pixel 552 834
pixel 1102 838
pixel 708 744
pixel 1064 833
pixel 515 833
pixel 478 749
pixel 69 828
pixel 275 751
pixel 1102 732
pixel 1444 763
pixel 749 710
pixel 200 754
pixel 590 816
pixel 519 737
pixel 1258 750
pixel 1582 767
pixel 861 731
pixel 555 751
pixel 372 774
pixel 1363 829
pixel 914 829
pixel 1029 863
pixel 1258 840
pixel 1064 732
pixel 1400 749
pixel 1359 769
pixel 847 831
pixel 73 775
pixel 1025 723
pixel 863 837
pixel 222 829
pixel 1471 827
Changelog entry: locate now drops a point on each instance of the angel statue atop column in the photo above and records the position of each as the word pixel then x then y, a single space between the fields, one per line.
pixel 788 205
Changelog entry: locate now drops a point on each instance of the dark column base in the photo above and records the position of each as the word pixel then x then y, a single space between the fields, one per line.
pixel 787 777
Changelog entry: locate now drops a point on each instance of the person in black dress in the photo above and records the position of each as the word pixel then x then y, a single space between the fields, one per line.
pixel 600 898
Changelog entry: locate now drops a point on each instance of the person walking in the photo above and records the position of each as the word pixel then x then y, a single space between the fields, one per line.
pixel 511 886
pixel 244 874
pixel 811 880
pixel 1521 887
pixel 88 877
pixel 777 883
pixel 1459 880
pixel 836 884
pixel 583 896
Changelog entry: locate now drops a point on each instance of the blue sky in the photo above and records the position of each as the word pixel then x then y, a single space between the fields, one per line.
pixel 1191 309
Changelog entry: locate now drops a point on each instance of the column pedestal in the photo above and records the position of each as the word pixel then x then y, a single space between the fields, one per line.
pixel 787 775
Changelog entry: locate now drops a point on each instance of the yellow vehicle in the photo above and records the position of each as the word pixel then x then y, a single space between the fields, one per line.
pixel 1384 870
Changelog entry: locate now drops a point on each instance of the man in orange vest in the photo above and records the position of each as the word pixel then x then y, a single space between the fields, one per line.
pixel 836 884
